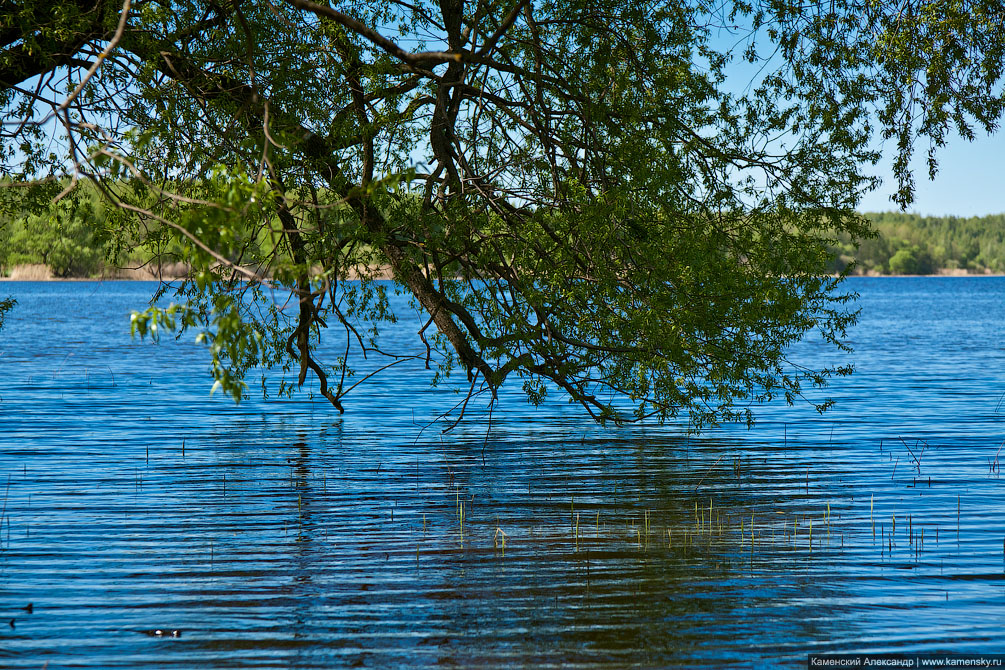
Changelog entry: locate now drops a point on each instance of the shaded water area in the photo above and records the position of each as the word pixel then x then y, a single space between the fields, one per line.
pixel 276 534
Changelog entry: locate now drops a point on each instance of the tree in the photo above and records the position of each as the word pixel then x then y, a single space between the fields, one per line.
pixel 911 260
pixel 578 194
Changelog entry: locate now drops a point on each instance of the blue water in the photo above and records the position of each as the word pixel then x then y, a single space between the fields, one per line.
pixel 279 534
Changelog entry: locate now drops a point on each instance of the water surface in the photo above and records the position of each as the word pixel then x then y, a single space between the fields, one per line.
pixel 279 534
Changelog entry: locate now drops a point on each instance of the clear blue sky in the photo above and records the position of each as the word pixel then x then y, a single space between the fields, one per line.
pixel 970 182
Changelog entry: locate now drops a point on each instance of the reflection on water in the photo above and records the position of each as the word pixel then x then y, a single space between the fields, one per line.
pixel 276 534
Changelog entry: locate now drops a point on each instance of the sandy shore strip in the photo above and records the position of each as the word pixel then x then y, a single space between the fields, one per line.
pixel 174 272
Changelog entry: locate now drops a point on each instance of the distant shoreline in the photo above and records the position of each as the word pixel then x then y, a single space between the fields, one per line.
pixel 387 276
pixel 38 272
pixel 41 273
pixel 947 275
pixel 941 272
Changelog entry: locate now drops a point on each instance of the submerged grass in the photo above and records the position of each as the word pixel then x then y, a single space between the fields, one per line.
pixel 715 528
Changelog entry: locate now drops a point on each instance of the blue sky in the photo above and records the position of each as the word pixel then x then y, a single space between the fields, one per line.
pixel 971 180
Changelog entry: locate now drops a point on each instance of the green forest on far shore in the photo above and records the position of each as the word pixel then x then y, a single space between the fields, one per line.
pixel 911 244
pixel 68 242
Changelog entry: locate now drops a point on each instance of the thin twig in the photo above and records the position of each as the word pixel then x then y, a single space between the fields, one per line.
pixel 706 473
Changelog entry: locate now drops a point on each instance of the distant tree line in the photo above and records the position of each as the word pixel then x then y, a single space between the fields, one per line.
pixel 68 239
pixel 908 244
pixel 77 236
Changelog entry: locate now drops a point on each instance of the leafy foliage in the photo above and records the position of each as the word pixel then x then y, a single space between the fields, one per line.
pixel 6 305
pixel 577 194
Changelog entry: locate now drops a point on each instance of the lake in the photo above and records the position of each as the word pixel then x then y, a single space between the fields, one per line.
pixel 150 524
